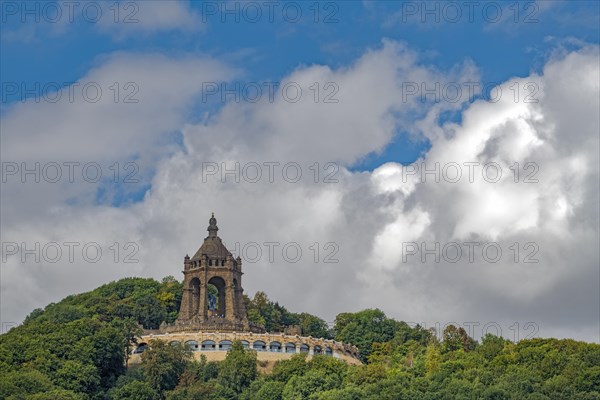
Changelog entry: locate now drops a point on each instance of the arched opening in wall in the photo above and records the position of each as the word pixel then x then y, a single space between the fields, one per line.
pixel 209 345
pixel 175 343
pixel 328 351
pixel 290 348
pixel 245 344
pixel 195 296
pixel 317 350
pixel 304 348
pixel 225 345
pixel 213 299
pixel 216 297
pixel 141 347
pixel 259 345
pixel 275 347
pixel 191 345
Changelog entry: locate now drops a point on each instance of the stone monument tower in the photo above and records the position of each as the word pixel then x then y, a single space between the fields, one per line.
pixel 212 288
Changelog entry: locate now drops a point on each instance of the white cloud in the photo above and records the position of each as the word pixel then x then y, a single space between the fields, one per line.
pixel 149 17
pixel 367 214
pixel 121 20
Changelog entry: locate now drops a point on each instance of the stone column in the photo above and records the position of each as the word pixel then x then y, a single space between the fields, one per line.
pixel 202 310
pixel 229 302
pixel 240 306
pixel 186 304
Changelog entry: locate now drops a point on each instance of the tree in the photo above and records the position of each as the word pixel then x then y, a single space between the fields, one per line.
pixel 364 328
pixel 57 394
pixel 135 390
pixel 238 370
pixel 284 370
pixel 264 390
pixel 457 338
pixel 433 359
pixel 307 385
pixel 149 311
pixel 78 377
pixel 163 364
pixel 491 346
pixel 314 326
pixel 130 330
pixel 108 354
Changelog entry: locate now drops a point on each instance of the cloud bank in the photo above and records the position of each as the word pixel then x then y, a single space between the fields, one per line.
pixel 541 134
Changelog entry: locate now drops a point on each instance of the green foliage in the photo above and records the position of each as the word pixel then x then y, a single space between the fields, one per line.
pixel 238 370
pixel 275 317
pixel 433 359
pixel 264 389
pixel 284 370
pixel 135 390
pixel 76 350
pixel 164 364
pixel 308 385
pixel 457 338
pixel 78 377
pixel 364 328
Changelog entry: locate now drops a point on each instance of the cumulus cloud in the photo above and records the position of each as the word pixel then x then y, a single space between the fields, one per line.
pixel 32 23
pixel 359 219
pixel 149 17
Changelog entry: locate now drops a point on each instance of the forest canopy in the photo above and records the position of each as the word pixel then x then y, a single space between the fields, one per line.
pixel 77 349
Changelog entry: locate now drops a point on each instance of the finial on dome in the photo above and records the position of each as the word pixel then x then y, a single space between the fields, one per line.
pixel 212 226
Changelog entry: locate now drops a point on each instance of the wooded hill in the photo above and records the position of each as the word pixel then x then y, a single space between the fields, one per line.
pixel 76 349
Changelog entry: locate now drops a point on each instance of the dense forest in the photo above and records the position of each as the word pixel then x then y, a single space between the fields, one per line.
pixel 77 349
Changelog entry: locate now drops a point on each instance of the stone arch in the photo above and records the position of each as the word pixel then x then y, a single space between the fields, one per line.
pixel 328 351
pixel 317 350
pixel 221 286
pixel 195 296
pixel 290 347
pixel 275 347
pixel 245 343
pixel 304 348
pixel 225 345
pixel 141 347
pixel 175 343
pixel 259 345
pixel 192 345
pixel 209 345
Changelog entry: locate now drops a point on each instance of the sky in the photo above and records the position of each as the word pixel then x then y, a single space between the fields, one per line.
pixel 435 160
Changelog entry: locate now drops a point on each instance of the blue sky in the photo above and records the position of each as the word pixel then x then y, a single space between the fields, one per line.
pixel 513 43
